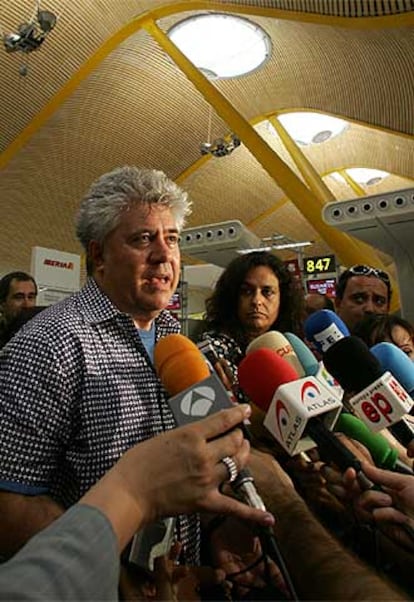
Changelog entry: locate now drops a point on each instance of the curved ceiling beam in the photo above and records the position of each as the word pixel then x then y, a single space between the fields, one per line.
pixel 348 249
pixel 93 62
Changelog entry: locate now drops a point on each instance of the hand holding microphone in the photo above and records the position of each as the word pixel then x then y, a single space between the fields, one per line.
pixel 197 393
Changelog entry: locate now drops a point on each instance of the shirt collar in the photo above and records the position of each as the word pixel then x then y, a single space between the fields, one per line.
pixel 96 307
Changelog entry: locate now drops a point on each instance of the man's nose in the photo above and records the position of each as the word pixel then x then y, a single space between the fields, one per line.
pixel 27 302
pixel 369 307
pixel 160 250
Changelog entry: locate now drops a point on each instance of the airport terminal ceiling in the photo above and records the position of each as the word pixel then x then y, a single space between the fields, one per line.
pixel 107 87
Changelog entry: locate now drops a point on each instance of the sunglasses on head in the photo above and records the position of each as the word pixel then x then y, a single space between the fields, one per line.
pixel 366 270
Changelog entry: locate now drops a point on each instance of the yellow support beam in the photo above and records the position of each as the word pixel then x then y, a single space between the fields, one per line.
pixel 348 250
pixel 359 191
pixel 280 203
pixel 309 173
pixel 93 62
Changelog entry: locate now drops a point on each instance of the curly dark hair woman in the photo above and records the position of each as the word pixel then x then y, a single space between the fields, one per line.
pixel 224 308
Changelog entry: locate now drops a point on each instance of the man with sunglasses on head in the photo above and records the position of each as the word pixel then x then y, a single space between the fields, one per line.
pixel 362 290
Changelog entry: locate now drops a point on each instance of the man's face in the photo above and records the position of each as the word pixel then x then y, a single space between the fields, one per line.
pixel 22 293
pixel 363 295
pixel 138 266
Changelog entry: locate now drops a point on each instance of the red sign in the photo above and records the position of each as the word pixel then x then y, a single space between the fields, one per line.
pixel 324 287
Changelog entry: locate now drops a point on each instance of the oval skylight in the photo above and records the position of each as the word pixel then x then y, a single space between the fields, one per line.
pixel 311 128
pixel 222 45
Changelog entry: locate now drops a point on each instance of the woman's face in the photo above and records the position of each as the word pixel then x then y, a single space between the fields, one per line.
pixel 403 340
pixel 259 301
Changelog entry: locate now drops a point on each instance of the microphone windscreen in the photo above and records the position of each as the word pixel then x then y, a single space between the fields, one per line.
pixel 179 363
pixel 278 342
pixel 352 364
pixel 382 453
pixel 307 359
pixel 261 372
pixel 323 328
pixel 397 362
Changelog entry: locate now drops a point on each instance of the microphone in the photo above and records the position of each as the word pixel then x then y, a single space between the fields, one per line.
pixel 205 395
pixel 197 393
pixel 393 359
pixel 305 356
pixel 380 401
pixel 311 365
pixel 382 453
pixel 296 407
pixel 278 342
pixel 324 328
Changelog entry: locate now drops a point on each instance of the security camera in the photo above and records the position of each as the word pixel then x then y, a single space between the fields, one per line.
pixel 30 35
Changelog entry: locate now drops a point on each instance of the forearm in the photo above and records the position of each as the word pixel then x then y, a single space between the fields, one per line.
pixel 22 517
pixel 111 495
pixel 319 566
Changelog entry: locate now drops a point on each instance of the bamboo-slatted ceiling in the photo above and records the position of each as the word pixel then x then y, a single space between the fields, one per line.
pixel 101 92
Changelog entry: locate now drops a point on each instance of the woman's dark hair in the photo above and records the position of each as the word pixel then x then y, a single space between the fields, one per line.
pixel 221 307
pixel 375 328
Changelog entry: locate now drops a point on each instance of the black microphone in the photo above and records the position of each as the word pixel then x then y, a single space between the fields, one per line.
pixel 379 400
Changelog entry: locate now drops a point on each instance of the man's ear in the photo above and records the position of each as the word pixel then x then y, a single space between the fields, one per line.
pixel 95 256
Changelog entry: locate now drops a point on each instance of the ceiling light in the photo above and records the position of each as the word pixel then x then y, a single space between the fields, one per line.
pixel 311 128
pixel 367 177
pixel 221 45
pixel 281 247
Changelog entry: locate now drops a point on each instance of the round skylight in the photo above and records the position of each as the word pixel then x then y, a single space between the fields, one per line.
pixel 222 45
pixel 311 128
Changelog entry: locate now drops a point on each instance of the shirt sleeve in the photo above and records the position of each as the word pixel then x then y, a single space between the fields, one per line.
pixel 74 558
pixel 35 413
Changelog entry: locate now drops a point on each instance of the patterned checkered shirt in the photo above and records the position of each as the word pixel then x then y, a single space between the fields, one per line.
pixel 77 389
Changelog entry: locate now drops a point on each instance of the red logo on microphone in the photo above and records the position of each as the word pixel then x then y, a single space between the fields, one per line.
pixel 282 416
pixel 309 391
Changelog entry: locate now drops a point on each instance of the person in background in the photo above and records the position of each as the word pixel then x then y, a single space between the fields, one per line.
pixel 317 301
pixel 19 320
pixel 254 294
pixel 375 329
pixel 77 556
pixel 18 291
pixel 362 290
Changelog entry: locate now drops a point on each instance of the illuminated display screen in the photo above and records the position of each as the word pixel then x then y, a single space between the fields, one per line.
pixel 324 287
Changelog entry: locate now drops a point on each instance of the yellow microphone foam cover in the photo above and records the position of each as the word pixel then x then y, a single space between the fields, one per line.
pixel 179 363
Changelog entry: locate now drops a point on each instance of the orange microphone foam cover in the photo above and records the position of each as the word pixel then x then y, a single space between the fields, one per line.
pixel 179 363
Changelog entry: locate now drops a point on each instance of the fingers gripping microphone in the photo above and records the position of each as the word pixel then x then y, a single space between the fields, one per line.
pixel 296 408
pixel 197 393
